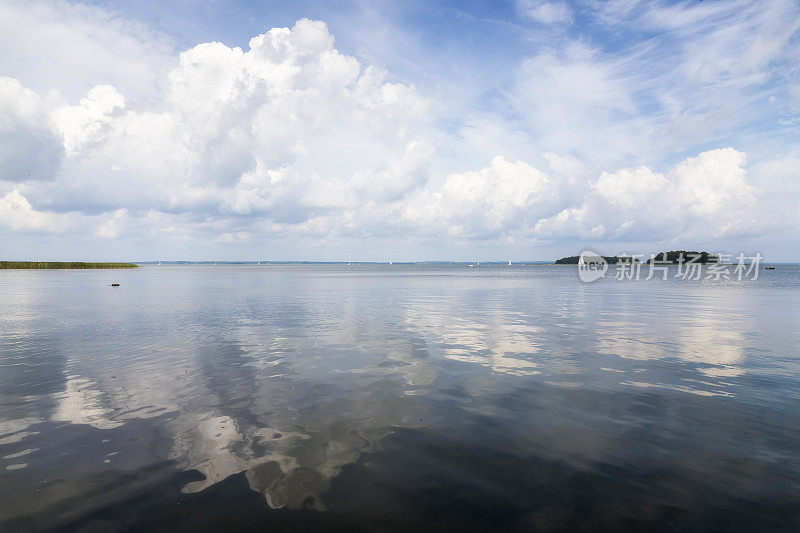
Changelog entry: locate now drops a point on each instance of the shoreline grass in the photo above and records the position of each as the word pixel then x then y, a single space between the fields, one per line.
pixel 59 265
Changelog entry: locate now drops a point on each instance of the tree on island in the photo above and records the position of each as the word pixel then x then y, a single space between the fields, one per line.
pixel 674 257
pixel 611 260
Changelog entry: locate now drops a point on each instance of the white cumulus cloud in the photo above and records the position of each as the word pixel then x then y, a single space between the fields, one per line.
pixel 289 141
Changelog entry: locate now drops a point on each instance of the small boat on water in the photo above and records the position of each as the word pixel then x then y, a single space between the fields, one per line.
pixel 769 268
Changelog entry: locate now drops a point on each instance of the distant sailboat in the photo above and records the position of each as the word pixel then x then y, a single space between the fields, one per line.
pixel 509 262
pixel 159 262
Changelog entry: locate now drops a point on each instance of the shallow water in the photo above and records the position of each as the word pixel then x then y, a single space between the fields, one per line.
pixel 389 397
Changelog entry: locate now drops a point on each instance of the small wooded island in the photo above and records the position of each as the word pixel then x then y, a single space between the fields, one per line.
pixel 573 260
pixel 54 265
pixel 673 258
pixel 677 256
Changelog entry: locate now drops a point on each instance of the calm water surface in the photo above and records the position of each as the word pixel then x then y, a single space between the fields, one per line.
pixel 390 397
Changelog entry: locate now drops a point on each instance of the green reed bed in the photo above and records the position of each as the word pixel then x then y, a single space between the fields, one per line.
pixel 52 265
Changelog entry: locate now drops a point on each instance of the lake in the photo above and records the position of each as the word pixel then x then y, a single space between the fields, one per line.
pixel 391 397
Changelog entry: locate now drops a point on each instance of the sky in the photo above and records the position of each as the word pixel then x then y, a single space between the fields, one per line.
pixel 397 131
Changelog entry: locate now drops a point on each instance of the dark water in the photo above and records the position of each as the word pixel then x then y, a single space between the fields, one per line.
pixel 397 397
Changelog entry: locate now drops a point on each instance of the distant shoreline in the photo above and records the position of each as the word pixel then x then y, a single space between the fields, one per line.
pixel 59 265
pixel 351 263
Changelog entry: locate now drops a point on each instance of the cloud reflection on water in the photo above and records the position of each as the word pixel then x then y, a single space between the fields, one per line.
pixel 291 385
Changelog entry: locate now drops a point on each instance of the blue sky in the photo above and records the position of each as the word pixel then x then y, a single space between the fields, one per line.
pixel 398 130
